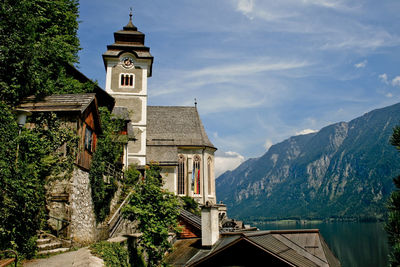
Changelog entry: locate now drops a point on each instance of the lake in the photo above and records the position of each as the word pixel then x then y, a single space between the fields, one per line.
pixel 354 244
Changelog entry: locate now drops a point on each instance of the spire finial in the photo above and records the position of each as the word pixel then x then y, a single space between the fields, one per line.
pixel 195 103
pixel 130 26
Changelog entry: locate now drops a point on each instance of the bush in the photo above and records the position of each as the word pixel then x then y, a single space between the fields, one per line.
pixel 113 254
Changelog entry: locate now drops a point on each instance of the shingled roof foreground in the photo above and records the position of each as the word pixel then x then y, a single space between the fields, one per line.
pixel 171 127
pixel 289 247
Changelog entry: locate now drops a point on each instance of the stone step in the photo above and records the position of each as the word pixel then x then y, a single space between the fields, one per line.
pixel 53 251
pixel 42 241
pixel 49 246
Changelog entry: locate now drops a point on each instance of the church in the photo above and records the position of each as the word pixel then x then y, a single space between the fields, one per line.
pixel 170 136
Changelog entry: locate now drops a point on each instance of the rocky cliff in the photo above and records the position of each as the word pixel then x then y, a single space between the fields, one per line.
pixel 344 170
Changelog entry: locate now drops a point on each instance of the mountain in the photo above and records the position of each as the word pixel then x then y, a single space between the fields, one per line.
pixel 344 170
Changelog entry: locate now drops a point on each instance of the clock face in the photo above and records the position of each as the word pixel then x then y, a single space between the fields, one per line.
pixel 128 62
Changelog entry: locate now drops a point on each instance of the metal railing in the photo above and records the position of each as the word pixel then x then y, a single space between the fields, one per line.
pixel 64 224
pixel 116 219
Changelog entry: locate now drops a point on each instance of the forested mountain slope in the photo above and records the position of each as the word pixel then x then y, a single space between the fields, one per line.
pixel 344 170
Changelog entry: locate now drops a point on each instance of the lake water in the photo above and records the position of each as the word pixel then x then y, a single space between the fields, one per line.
pixel 354 244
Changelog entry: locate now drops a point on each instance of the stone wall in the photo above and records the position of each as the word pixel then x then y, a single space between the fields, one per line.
pixel 84 229
pixel 69 198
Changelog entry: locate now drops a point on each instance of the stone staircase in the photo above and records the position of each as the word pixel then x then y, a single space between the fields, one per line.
pixel 49 244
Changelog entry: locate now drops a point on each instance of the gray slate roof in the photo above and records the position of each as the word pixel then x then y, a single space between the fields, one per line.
pixel 171 127
pixel 58 103
pixel 176 126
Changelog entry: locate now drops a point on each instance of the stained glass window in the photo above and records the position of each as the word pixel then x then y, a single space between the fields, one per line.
pixel 196 176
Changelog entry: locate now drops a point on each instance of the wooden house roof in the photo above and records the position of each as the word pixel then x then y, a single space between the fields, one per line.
pixel 58 103
pixel 283 248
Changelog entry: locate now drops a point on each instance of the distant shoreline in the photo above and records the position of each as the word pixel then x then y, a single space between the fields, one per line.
pixel 308 221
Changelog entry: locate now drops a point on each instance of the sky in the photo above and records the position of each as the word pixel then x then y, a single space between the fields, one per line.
pixel 261 70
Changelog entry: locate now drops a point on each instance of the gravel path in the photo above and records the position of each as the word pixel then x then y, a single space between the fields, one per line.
pixel 79 258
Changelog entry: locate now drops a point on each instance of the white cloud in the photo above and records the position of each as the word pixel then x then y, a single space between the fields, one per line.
pixel 245 6
pixel 268 143
pixel 324 3
pixel 306 131
pixel 246 68
pixel 396 81
pixel 225 161
pixel 384 78
pixel 361 64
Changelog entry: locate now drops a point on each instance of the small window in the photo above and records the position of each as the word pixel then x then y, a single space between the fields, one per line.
pixel 181 175
pixel 88 139
pixel 209 174
pixel 127 80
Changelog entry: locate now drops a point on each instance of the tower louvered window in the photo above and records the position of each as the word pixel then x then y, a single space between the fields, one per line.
pixel 196 176
pixel 181 175
pixel 127 80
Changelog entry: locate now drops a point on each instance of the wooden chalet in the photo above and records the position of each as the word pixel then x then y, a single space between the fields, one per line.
pixel 79 112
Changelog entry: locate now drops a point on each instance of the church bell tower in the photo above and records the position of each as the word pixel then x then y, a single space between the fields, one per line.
pixel 128 64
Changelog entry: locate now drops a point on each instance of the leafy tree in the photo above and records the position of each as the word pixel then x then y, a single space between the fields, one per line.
pixel 108 151
pixel 38 38
pixel 156 211
pixel 393 223
pixel 38 42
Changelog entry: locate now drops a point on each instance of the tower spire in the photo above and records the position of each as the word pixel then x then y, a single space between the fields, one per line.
pixel 130 25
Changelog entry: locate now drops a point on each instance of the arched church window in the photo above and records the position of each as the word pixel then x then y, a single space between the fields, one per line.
pixel 210 175
pixel 181 175
pixel 127 80
pixel 196 175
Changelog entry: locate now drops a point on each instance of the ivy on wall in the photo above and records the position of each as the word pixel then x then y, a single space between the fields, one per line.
pixel 109 149
pixel 26 159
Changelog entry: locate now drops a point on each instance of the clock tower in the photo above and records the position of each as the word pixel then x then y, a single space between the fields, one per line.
pixel 128 64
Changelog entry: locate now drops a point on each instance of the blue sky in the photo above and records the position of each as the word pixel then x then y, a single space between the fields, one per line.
pixel 261 70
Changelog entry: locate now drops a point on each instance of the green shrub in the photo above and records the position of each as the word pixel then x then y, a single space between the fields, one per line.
pixel 156 210
pixel 113 254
